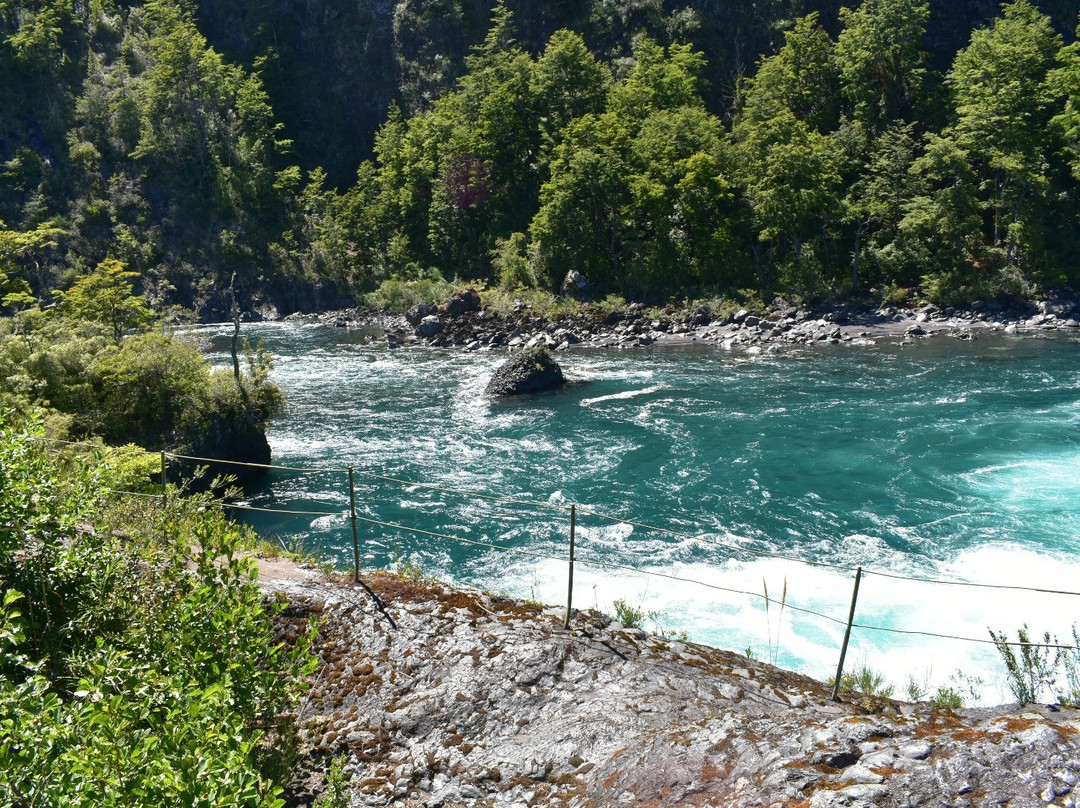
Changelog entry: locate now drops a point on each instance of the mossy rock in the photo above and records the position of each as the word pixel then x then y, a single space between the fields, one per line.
pixel 532 370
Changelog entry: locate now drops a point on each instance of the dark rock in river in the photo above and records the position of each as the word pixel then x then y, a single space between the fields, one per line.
pixel 429 327
pixel 529 371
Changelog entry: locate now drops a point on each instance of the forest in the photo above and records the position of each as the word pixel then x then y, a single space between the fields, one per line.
pixel 297 157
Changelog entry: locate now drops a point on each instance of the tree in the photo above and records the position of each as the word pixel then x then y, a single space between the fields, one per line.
pixel 1002 102
pixel 875 203
pixel 20 261
pixel 801 78
pixel 940 232
pixel 106 296
pixel 579 223
pixel 681 220
pixel 879 58
pixel 659 79
pixel 568 82
pixel 1064 84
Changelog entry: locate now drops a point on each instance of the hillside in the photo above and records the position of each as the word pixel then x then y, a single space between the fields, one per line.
pixel 300 156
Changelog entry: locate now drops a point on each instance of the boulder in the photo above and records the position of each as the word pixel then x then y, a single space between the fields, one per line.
pixel 429 327
pixel 462 302
pixel 576 285
pixel 529 371
pixel 418 312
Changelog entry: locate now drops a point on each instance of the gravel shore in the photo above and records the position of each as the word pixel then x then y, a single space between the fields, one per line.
pixel 779 326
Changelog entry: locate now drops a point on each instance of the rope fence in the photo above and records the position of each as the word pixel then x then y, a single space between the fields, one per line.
pixel 572 558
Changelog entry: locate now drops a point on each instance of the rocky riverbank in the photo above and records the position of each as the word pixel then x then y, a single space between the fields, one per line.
pixel 444 697
pixel 462 322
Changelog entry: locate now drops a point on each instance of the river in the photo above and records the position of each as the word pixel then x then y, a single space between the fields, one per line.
pixel 940 459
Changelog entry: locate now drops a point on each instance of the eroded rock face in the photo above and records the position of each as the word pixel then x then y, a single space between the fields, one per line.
pixel 465 698
pixel 236 438
pixel 529 371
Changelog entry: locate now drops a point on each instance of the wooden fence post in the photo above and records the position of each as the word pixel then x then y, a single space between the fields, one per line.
pixel 164 496
pixel 570 582
pixel 847 636
pixel 355 535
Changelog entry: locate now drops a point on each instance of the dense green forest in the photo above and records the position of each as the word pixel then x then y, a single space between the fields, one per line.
pixel 292 155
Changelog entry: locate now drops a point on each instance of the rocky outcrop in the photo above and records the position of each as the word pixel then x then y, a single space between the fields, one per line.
pixel 233 436
pixel 449 697
pixel 529 371
pixel 576 285
pixel 773 327
pixel 462 302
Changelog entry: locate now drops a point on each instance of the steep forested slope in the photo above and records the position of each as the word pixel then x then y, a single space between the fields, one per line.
pixel 663 148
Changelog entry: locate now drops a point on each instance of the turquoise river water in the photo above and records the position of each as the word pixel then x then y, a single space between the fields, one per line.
pixel 940 459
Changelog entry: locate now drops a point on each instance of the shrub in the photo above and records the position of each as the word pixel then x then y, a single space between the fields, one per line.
pixel 1034 670
pixel 138 659
pixel 867 681
pixel 400 295
pixel 629 616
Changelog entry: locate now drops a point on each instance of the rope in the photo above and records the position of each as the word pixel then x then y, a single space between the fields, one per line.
pixel 459 492
pixel 307 470
pixel 707 540
pixel 98 446
pixel 717 587
pixel 282 510
pixel 134 493
pixel 964 639
pixel 974 584
pixel 549 506
pixel 459 539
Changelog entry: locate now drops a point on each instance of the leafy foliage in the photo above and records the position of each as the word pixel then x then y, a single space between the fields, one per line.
pixel 149 388
pixel 137 661
pixel 1031 672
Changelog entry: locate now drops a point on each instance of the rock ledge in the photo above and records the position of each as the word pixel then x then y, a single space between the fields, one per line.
pixel 453 697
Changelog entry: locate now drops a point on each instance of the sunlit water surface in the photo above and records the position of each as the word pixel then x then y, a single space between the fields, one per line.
pixel 939 459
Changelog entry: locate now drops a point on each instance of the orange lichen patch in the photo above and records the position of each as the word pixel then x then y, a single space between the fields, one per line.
pixel 939 723
pixel 518 607
pixel 710 771
pixel 885 771
pixel 611 778
pixel 1012 723
pixel 971 736
pixel 1065 730
pixel 518 779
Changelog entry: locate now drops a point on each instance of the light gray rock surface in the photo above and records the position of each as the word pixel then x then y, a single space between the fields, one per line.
pixel 455 697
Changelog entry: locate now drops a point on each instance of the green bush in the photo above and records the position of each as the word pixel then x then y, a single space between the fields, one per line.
pixel 629 616
pixel 151 388
pixel 1034 670
pixel 137 660
pixel 400 295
